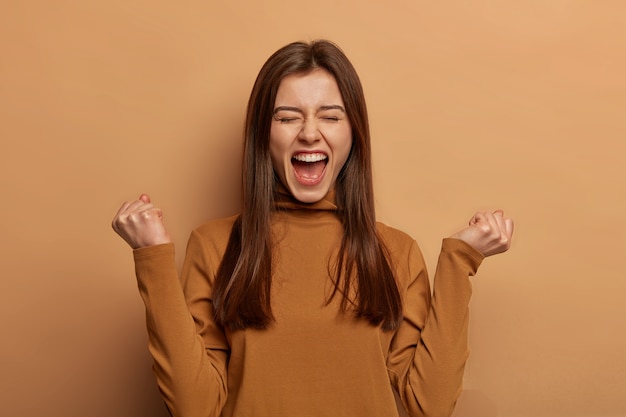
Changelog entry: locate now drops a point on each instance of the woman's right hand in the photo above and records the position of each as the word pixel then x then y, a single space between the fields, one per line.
pixel 140 224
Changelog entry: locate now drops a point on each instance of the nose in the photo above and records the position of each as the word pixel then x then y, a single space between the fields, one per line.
pixel 310 132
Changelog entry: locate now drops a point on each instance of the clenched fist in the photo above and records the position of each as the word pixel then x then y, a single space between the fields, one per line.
pixel 489 233
pixel 140 224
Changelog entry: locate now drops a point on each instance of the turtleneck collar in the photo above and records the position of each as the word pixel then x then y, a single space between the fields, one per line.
pixel 283 199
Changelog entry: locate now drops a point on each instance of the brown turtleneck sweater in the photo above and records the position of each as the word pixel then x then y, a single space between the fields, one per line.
pixel 313 361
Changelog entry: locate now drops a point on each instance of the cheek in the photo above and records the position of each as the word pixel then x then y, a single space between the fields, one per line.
pixel 276 160
pixel 277 151
pixel 344 158
pixel 343 148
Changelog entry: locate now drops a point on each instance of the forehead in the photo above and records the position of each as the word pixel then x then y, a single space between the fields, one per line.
pixel 310 89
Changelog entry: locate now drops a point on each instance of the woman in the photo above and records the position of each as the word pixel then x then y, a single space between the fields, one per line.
pixel 304 305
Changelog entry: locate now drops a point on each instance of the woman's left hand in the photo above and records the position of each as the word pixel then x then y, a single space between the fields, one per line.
pixel 488 232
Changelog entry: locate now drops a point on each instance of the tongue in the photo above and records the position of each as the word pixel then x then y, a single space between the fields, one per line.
pixel 309 170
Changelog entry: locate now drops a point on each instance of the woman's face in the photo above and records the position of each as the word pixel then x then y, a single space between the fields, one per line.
pixel 310 136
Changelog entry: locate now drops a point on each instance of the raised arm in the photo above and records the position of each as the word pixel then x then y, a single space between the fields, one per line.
pixel 190 376
pixel 429 352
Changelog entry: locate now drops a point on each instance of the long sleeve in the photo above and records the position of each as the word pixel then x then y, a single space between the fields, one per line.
pixel 191 375
pixel 429 351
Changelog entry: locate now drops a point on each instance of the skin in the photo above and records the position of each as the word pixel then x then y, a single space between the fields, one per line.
pixel 141 224
pixel 308 119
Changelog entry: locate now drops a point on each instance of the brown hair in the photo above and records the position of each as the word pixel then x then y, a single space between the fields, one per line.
pixel 241 294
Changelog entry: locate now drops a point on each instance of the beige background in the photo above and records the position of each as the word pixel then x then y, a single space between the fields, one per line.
pixel 474 105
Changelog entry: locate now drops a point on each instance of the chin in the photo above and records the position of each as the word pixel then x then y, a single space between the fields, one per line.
pixel 309 196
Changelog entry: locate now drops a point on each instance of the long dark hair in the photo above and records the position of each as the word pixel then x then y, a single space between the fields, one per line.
pixel 241 293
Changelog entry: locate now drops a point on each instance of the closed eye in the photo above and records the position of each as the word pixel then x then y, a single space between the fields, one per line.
pixel 287 114
pixel 286 119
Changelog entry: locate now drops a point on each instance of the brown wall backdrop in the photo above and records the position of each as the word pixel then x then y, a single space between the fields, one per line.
pixel 473 105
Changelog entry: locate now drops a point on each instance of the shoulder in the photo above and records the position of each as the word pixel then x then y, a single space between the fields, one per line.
pixel 404 253
pixel 214 233
pixel 217 227
pixel 394 239
pixel 399 244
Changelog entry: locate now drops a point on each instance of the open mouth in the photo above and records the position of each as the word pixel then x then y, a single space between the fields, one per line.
pixel 309 167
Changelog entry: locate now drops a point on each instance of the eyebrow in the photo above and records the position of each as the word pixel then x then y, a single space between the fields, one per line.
pixel 298 110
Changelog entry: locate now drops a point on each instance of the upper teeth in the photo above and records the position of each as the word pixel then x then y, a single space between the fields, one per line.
pixel 310 157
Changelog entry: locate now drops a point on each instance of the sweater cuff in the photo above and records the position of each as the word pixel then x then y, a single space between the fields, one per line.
pixel 155 268
pixel 463 250
pixel 155 251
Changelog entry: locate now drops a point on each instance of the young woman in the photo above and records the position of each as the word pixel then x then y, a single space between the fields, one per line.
pixel 304 305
